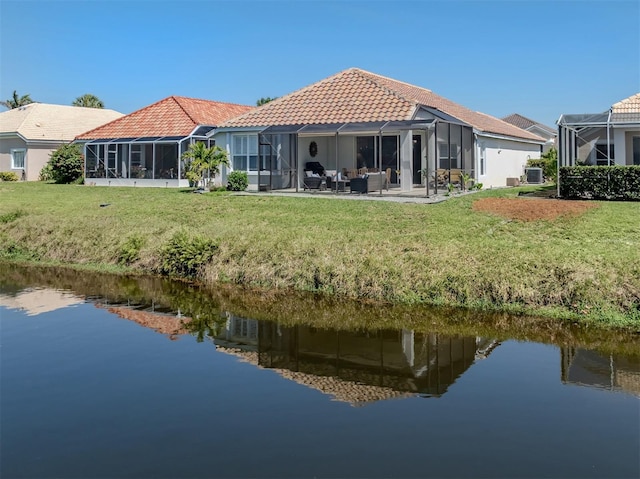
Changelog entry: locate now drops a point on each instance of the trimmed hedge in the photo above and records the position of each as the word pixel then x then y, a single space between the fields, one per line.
pixel 600 182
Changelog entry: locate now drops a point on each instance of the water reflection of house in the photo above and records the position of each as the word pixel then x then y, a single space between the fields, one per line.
pixel 356 367
pixel 168 324
pixel 38 301
pixel 613 372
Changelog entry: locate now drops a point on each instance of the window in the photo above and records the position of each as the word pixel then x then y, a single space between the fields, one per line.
pixel 601 154
pixel 482 165
pixel 245 152
pixel 448 159
pixel 369 153
pixel 17 158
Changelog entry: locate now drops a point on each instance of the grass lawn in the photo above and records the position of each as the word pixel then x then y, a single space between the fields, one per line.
pixel 584 267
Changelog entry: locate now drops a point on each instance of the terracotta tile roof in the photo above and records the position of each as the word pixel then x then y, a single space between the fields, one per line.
pixel 166 324
pixel 348 96
pixel 628 105
pixel 354 393
pixel 43 121
pixel 356 95
pixel 627 110
pixel 173 116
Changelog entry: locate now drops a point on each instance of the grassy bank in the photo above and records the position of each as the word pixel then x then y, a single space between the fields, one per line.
pixel 584 268
pixel 202 307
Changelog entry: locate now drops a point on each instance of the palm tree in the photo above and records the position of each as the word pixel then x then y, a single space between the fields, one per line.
pixel 88 101
pixel 265 100
pixel 199 159
pixel 16 101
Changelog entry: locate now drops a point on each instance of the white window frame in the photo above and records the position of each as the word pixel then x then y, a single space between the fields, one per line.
pixel 482 160
pixel 444 153
pixel 13 158
pixel 247 141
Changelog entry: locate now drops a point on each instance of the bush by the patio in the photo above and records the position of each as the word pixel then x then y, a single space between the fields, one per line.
pixel 600 182
pixel 237 181
pixel 8 176
pixel 65 165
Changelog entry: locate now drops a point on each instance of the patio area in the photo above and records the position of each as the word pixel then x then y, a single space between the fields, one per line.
pixel 414 158
pixel 394 195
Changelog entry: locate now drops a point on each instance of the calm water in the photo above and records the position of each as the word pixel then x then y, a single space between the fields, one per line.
pixel 100 378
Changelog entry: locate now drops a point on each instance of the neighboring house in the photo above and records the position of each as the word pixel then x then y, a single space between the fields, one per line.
pixel 38 301
pixel 28 134
pixel 360 119
pixel 546 132
pixel 608 138
pixel 613 372
pixel 144 147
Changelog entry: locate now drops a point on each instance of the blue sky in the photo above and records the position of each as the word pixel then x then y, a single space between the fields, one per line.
pixel 538 58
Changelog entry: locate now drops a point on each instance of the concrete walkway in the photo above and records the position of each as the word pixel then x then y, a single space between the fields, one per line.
pixel 393 196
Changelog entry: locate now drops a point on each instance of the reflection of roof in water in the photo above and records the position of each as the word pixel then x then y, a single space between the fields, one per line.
pixel 629 381
pixel 167 324
pixel 353 393
pixel 41 300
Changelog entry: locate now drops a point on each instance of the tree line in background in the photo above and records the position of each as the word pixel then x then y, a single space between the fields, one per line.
pixel 87 100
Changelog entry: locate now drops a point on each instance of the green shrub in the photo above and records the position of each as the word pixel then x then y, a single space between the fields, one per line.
pixel 8 176
pixel 184 256
pixel 46 174
pixel 237 181
pixel 600 182
pixel 66 165
pixel 130 250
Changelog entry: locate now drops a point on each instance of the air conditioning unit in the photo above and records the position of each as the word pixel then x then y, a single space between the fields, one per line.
pixel 534 176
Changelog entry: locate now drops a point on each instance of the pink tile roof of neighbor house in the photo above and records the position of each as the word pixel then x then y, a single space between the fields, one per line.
pixel 628 105
pixel 627 110
pixel 46 122
pixel 355 95
pixel 173 116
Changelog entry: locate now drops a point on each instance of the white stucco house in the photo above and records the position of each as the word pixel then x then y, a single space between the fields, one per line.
pixel 357 120
pixel 28 134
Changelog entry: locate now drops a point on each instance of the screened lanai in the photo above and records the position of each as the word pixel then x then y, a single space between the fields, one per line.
pixel 586 139
pixel 403 153
pixel 144 161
